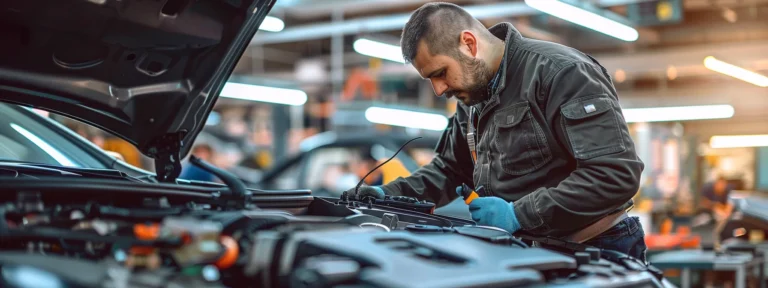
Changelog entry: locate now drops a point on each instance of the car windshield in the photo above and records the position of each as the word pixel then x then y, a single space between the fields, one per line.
pixel 26 136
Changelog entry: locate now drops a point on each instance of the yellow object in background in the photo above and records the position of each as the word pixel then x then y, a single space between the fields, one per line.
pixel 392 170
pixel 645 205
pixel 664 10
pixel 264 159
pixel 374 63
pixel 130 154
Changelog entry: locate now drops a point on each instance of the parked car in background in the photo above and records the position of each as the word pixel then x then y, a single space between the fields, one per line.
pixel 27 136
pixel 330 163
pixel 325 152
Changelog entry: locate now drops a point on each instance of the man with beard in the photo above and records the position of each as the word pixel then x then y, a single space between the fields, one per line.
pixel 538 133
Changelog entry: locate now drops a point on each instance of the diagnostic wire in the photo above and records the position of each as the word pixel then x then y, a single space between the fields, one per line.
pixel 357 188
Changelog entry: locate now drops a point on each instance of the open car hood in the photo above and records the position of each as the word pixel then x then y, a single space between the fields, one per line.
pixel 148 71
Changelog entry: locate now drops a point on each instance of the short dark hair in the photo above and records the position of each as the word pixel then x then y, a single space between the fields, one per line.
pixel 439 24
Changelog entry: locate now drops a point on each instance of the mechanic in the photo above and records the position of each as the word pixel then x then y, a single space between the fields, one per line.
pixel 552 148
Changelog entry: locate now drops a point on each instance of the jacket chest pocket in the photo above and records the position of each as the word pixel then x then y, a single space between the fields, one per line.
pixel 521 142
pixel 592 126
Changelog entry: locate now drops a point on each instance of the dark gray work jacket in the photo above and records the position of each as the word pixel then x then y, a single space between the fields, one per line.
pixel 552 139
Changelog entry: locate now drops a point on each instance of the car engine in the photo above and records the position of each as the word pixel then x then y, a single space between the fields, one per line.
pixel 89 234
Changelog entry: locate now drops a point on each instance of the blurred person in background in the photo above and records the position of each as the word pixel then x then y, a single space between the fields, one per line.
pixel 422 156
pixel 714 196
pixel 366 164
pixel 115 146
pixel 229 156
pixel 346 178
pixel 127 151
pixel 189 171
pixel 349 174
pixel 336 177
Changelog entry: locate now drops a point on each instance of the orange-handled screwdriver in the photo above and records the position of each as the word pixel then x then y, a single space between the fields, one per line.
pixel 468 194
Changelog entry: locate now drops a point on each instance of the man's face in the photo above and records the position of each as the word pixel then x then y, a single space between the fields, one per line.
pixel 465 78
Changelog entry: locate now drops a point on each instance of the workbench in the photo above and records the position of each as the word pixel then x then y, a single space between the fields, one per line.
pixel 687 261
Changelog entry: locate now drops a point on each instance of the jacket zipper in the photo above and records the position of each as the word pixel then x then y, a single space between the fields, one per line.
pixel 479 135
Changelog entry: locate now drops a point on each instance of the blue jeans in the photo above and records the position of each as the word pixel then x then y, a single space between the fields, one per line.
pixel 626 237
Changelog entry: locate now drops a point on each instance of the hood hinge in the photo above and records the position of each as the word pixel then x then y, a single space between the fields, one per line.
pixel 165 151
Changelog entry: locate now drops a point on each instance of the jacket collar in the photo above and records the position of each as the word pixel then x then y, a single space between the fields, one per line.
pixel 512 38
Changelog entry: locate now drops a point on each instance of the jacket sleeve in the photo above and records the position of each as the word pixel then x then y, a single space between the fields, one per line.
pixel 452 166
pixel 583 112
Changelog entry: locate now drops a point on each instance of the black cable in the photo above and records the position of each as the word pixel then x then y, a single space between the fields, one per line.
pixel 236 187
pixel 518 242
pixel 357 188
pixel 53 234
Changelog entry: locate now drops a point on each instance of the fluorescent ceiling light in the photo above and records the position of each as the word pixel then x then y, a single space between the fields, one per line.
pixel 681 113
pixel 378 50
pixel 736 141
pixel 405 118
pixel 55 154
pixel 272 24
pixel 734 71
pixel 264 94
pixel 585 18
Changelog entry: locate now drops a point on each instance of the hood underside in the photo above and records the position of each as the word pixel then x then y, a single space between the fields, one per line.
pixel 148 71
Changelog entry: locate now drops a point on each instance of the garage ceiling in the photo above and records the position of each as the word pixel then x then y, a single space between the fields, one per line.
pixel 664 67
pixel 705 22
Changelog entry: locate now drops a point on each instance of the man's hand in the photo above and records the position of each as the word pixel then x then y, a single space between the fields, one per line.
pixel 494 211
pixel 367 192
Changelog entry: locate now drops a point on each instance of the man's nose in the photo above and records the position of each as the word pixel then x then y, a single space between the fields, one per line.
pixel 439 87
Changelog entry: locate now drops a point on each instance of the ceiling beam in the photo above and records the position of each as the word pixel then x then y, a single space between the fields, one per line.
pixel 714 4
pixel 271 54
pixel 748 101
pixel 690 57
pixel 529 31
pixel 689 60
pixel 378 24
pixel 396 22
pixel 307 9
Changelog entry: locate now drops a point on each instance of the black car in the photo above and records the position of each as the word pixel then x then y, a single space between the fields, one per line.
pixel 331 149
pixel 314 166
pixel 150 72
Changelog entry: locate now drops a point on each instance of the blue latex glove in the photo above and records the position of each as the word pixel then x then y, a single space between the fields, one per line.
pixel 368 191
pixel 379 192
pixel 493 211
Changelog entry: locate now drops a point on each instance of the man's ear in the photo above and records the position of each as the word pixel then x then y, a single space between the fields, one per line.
pixel 468 43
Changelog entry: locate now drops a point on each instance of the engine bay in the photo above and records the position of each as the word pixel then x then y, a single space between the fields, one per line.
pixel 92 235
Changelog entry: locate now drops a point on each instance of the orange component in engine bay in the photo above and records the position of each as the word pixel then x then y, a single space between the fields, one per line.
pixel 231 251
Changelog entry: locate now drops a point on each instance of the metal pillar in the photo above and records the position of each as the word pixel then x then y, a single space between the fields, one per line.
pixel 426 95
pixel 643 141
pixel 741 277
pixel 281 120
pixel 337 57
pixel 685 278
pixel 257 60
